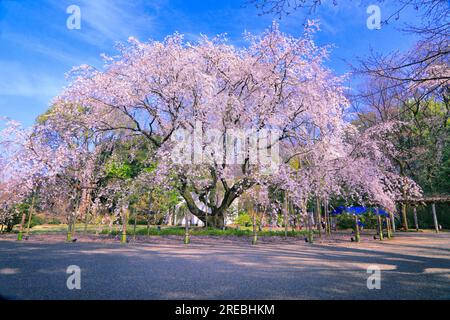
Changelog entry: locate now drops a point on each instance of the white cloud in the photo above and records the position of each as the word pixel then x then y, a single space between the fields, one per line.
pixel 52 48
pixel 18 80
pixel 103 20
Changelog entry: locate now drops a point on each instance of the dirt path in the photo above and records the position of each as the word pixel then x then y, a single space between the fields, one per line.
pixel 413 266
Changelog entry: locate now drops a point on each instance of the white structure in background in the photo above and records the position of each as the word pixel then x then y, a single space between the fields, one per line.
pixel 180 218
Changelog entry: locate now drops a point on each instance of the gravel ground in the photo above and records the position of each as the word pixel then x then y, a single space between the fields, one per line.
pixel 413 266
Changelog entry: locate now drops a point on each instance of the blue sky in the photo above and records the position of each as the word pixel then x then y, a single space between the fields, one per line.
pixel 37 49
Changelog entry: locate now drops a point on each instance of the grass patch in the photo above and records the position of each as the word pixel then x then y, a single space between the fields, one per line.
pixel 180 231
pixel 176 231
pixel 162 231
pixel 58 228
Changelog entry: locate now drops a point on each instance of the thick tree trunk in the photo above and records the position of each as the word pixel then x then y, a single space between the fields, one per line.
pixel 173 216
pixel 216 220
pixel 215 213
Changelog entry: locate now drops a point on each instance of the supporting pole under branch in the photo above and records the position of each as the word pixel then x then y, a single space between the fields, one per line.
pixel 436 225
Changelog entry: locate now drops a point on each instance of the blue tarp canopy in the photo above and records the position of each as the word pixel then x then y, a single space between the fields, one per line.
pixel 381 212
pixel 358 210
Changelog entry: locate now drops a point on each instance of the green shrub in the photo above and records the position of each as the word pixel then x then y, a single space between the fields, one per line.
pixel 345 221
pixel 54 221
pixel 140 220
pixel 12 222
pixel 37 220
pixel 243 220
pixel 370 220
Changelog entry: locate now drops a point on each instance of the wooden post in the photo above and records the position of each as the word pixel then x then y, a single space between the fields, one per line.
pixel 135 223
pixel 310 231
pixel 255 233
pixel 69 228
pixel 206 212
pixel 30 214
pixel 148 224
pixel 415 219
pixel 29 222
pixel 110 225
pixel 436 225
pixel 285 215
pixel 391 215
pixel 96 220
pixel 77 210
pixel 187 237
pixel 293 217
pixel 330 223
pixel 74 221
pixel 22 222
pixel 388 227
pixel 85 222
pixel 357 235
pixel 74 225
pixel 85 207
pixel 149 214
pixel 404 217
pixel 380 226
pixel 327 219
pixel 308 223
pixel 124 225
pixel 318 218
